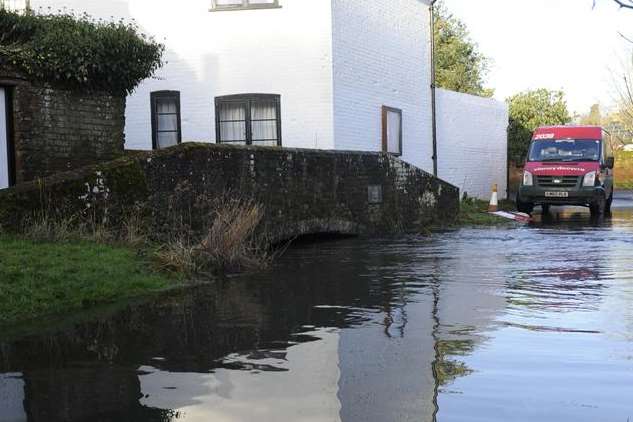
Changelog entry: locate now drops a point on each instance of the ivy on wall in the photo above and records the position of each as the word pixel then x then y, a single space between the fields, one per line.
pixel 78 52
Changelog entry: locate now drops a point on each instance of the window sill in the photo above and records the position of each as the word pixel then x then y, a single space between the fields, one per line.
pixel 241 9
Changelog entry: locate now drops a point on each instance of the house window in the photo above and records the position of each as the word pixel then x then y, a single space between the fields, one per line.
pixel 250 119
pixel 15 5
pixel 7 150
pixel 392 130
pixel 166 131
pixel 218 5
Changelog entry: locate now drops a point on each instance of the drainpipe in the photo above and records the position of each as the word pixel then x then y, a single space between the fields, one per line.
pixel 433 80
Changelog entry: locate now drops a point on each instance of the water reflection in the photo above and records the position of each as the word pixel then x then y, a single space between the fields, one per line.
pixel 495 325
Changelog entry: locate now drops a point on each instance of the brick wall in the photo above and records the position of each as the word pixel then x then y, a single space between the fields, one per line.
pixel 56 130
pixel 301 191
pixel 381 56
pixel 285 51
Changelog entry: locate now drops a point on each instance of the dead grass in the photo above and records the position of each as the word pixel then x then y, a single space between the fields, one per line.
pixel 134 228
pixel 43 227
pixel 231 243
pixel 176 256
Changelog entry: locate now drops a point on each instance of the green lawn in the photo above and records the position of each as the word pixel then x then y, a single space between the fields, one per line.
pixel 39 279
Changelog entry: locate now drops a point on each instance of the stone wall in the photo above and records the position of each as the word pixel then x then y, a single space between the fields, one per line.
pixel 301 191
pixel 56 130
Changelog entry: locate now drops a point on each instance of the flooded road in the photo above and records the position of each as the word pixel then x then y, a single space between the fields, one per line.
pixel 530 323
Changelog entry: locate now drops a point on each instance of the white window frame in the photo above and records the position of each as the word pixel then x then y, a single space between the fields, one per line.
pixel 248 101
pixel 246 5
pixel 15 5
pixel 386 130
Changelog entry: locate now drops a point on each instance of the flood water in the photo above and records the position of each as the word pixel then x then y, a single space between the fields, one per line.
pixel 530 323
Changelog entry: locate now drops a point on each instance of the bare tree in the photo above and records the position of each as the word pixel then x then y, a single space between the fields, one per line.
pixel 626 4
pixel 623 84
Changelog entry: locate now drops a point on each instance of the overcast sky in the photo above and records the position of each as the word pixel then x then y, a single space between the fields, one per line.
pixel 556 44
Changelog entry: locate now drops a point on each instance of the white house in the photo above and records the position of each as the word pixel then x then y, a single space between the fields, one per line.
pixel 326 74
pixel 296 73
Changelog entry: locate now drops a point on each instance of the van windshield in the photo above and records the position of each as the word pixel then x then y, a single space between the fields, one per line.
pixel 565 150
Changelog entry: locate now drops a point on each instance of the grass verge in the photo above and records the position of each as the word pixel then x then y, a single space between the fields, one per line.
pixel 474 212
pixel 54 265
pixel 45 278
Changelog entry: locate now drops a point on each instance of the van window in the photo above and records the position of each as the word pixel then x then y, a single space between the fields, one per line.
pixel 565 150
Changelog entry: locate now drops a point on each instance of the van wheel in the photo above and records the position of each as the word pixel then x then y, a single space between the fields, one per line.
pixel 524 207
pixel 607 208
pixel 598 209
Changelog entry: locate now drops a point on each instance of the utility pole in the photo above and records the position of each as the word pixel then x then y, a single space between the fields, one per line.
pixel 433 82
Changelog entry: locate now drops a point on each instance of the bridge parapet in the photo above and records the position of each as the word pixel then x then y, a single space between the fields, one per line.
pixel 301 191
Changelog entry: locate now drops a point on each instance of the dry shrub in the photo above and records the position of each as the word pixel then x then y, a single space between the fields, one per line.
pixel 231 243
pixel 177 256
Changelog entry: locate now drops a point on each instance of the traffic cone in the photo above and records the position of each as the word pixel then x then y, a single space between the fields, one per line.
pixel 494 200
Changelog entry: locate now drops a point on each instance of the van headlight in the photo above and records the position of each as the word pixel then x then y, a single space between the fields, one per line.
pixel 528 179
pixel 590 179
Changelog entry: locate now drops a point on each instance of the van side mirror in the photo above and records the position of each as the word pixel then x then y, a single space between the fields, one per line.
pixel 610 162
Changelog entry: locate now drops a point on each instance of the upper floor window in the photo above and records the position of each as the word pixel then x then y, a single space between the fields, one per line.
pixel 166 131
pixel 248 119
pixel 15 5
pixel 244 4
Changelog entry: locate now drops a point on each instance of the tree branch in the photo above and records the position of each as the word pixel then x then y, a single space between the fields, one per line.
pixel 625 37
pixel 627 4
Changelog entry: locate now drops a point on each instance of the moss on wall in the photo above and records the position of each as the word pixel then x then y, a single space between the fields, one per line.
pixel 301 191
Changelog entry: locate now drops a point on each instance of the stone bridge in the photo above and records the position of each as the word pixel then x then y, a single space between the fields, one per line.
pixel 301 191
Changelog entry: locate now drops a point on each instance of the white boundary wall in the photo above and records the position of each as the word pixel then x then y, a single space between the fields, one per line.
pixel 472 143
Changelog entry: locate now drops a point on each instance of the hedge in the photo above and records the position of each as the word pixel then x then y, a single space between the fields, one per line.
pixel 77 51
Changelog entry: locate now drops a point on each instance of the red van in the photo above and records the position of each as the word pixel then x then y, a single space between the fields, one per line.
pixel 568 165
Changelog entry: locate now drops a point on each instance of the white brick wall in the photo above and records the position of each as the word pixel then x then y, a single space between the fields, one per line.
pixel 472 143
pixel 381 56
pixel 335 63
pixel 286 51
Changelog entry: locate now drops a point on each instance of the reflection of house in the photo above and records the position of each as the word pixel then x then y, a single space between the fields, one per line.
pixel 326 74
pixel 266 348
